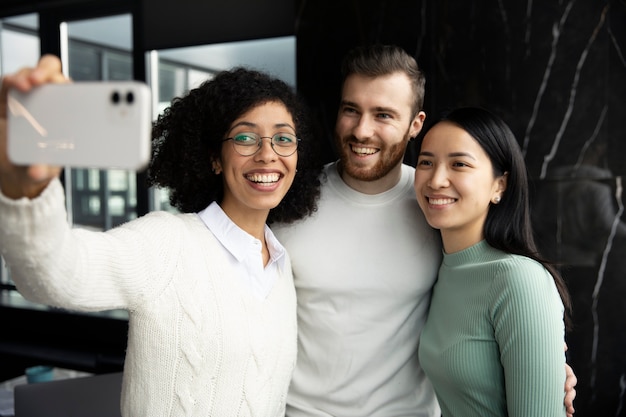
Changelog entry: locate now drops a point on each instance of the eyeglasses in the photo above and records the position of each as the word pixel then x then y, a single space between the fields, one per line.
pixel 249 143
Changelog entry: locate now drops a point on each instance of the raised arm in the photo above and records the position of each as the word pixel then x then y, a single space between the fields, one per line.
pixel 26 181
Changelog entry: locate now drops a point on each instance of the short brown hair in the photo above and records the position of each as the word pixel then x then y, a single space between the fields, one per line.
pixel 377 60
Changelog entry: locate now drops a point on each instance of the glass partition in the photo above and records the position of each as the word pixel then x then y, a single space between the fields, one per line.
pixel 19 44
pixel 99 49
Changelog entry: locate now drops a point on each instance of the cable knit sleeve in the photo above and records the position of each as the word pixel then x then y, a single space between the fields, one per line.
pixel 54 264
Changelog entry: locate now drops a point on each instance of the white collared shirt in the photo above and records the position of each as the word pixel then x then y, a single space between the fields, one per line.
pixel 244 251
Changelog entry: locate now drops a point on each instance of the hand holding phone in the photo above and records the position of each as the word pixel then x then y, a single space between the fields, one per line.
pixel 101 124
pixel 26 181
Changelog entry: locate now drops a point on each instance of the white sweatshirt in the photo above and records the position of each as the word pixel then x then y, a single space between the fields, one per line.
pixel 364 266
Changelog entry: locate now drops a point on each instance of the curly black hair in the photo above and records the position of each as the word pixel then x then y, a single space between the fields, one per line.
pixel 188 135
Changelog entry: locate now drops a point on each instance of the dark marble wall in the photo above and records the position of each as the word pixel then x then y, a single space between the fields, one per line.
pixel 555 70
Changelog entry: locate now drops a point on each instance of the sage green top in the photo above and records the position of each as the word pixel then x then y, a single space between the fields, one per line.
pixel 493 344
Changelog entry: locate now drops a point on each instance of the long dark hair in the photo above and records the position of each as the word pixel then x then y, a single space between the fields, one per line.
pixel 508 225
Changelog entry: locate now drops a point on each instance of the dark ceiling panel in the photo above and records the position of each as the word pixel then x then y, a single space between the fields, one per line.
pixel 169 24
pixel 18 7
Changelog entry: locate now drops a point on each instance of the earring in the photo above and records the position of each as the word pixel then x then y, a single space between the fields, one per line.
pixel 496 200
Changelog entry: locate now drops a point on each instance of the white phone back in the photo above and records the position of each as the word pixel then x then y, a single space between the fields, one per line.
pixel 80 125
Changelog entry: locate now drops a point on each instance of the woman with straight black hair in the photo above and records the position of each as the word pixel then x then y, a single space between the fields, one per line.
pixel 493 341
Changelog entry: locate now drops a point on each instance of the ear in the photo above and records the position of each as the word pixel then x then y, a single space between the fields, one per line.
pixel 216 167
pixel 417 124
pixel 503 182
pixel 500 187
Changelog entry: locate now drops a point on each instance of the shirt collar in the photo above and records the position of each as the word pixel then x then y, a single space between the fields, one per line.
pixel 237 241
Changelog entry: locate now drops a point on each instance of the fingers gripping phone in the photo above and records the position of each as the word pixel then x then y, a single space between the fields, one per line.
pixel 101 124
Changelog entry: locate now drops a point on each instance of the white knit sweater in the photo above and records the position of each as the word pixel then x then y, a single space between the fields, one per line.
pixel 199 343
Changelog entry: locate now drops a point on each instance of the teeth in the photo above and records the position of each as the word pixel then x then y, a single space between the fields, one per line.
pixel 440 201
pixel 264 178
pixel 363 150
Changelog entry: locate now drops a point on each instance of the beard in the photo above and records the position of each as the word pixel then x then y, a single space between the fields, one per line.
pixel 390 156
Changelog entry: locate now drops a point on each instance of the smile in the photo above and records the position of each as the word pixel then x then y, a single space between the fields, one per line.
pixel 362 150
pixel 440 201
pixel 264 178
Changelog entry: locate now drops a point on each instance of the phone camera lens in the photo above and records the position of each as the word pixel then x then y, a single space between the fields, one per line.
pixel 115 97
pixel 130 97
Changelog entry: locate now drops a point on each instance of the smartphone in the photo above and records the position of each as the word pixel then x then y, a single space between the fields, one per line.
pixel 84 124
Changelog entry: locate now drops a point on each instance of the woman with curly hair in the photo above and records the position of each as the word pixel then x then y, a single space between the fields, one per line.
pixel 209 290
